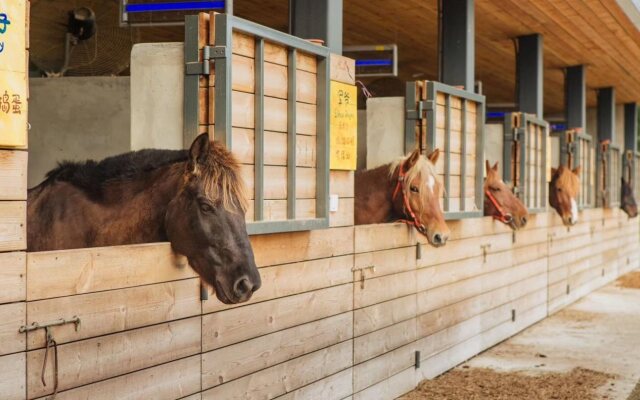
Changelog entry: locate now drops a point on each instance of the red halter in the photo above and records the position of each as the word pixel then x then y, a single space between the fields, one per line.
pixel 407 206
pixel 502 216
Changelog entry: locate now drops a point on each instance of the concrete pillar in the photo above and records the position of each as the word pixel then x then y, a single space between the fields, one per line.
pixel 457 43
pixel 575 97
pixel 317 19
pixel 606 114
pixel 530 78
pixel 631 127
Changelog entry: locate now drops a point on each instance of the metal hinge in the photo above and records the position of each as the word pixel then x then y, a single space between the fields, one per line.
pixel 209 54
pixel 421 108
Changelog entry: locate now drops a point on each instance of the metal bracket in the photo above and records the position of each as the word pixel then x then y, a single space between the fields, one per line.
pixel 209 54
pixel 422 106
pixel 362 273
pixel 513 315
pixel 417 359
pixel 204 293
pixel 550 236
pixel 418 251
pixel 485 248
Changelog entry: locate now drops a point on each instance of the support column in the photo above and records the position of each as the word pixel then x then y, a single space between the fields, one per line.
pixel 631 127
pixel 317 19
pixel 530 78
pixel 606 114
pixel 457 43
pixel 575 97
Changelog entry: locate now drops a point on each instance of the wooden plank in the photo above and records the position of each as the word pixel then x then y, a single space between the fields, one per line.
pixel 13 175
pixel 335 387
pixel 164 382
pixel 235 361
pixel 289 279
pixel 104 357
pixel 305 119
pixel 391 388
pixel 13 278
pixel 344 215
pixel 383 236
pixel 12 376
pixel 383 367
pixel 381 315
pixel 387 262
pixel 275 148
pixel 306 87
pixel 343 69
pixel 285 377
pixel 305 183
pixel 384 340
pixel 275 182
pixel 378 290
pixel 13 225
pixel 276 210
pixel 235 325
pixel 115 310
pixel 341 183
pixel 12 317
pixel 68 272
pixel 291 247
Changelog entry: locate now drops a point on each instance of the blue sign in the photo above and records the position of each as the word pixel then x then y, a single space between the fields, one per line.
pixel 174 6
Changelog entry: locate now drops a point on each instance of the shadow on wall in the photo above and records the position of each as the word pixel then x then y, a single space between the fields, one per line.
pixel 76 119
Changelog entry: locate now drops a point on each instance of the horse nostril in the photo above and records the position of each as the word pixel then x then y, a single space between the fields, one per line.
pixel 242 287
pixel 524 221
pixel 437 239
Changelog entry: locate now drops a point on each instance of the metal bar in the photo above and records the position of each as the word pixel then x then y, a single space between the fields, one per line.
pixel 223 98
pixel 480 122
pixel 444 88
pixel 262 227
pixel 317 19
pixel 529 70
pixel 537 182
pixel 544 167
pixel 575 96
pixel 291 135
pixel 228 7
pixel 191 82
pixel 453 215
pixel 258 208
pixel 607 114
pixel 463 155
pixel 323 79
pixel 508 148
pixel 410 107
pixel 447 151
pixel 457 42
pixel 523 138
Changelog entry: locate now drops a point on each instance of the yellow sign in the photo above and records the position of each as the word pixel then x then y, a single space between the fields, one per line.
pixel 344 126
pixel 13 74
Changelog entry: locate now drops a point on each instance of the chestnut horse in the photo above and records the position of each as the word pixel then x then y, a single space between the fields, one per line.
pixel 194 199
pixel 407 190
pixel 563 193
pixel 627 199
pixel 500 202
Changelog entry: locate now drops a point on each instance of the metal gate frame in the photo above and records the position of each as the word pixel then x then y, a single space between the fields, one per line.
pixel 203 61
pixel 515 131
pixel 609 196
pixel 570 147
pixel 424 112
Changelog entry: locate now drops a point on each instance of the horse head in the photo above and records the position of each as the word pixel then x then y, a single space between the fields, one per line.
pixel 563 193
pixel 417 195
pixel 205 222
pixel 500 202
pixel 628 200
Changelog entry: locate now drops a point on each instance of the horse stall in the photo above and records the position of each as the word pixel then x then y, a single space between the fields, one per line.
pixel 344 311
pixel 608 174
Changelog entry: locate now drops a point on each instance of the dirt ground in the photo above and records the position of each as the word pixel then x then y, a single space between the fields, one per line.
pixel 630 280
pixel 483 383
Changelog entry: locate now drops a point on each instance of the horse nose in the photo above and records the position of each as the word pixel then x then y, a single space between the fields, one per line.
pixel 524 221
pixel 439 239
pixel 243 287
pixel 571 220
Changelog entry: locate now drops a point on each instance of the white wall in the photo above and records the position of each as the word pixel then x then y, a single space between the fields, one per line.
pixel 385 130
pixel 76 119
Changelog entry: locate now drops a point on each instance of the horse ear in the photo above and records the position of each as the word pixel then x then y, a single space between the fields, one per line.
pixel 413 158
pixel 495 167
pixel 487 165
pixel 433 157
pixel 199 151
pixel 577 170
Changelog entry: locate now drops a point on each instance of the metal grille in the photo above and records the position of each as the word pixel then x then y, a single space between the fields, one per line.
pixel 202 59
pixel 577 149
pixel 451 119
pixel 525 158
pixel 608 172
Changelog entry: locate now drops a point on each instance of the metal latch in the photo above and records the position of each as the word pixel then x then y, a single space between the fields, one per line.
pixel 421 107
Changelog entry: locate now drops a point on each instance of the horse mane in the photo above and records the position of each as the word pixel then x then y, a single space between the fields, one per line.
pixel 219 173
pixel 422 167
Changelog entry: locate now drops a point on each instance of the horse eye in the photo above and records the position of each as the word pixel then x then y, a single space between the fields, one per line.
pixel 414 189
pixel 559 189
pixel 205 207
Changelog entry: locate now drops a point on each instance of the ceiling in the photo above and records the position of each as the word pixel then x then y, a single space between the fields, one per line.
pixel 592 32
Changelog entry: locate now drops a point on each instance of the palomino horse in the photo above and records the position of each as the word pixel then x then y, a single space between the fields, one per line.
pixel 627 199
pixel 407 190
pixel 563 193
pixel 194 199
pixel 500 202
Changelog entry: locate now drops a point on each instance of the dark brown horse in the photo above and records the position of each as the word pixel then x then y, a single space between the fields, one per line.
pixel 563 193
pixel 627 199
pixel 194 199
pixel 407 190
pixel 500 202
